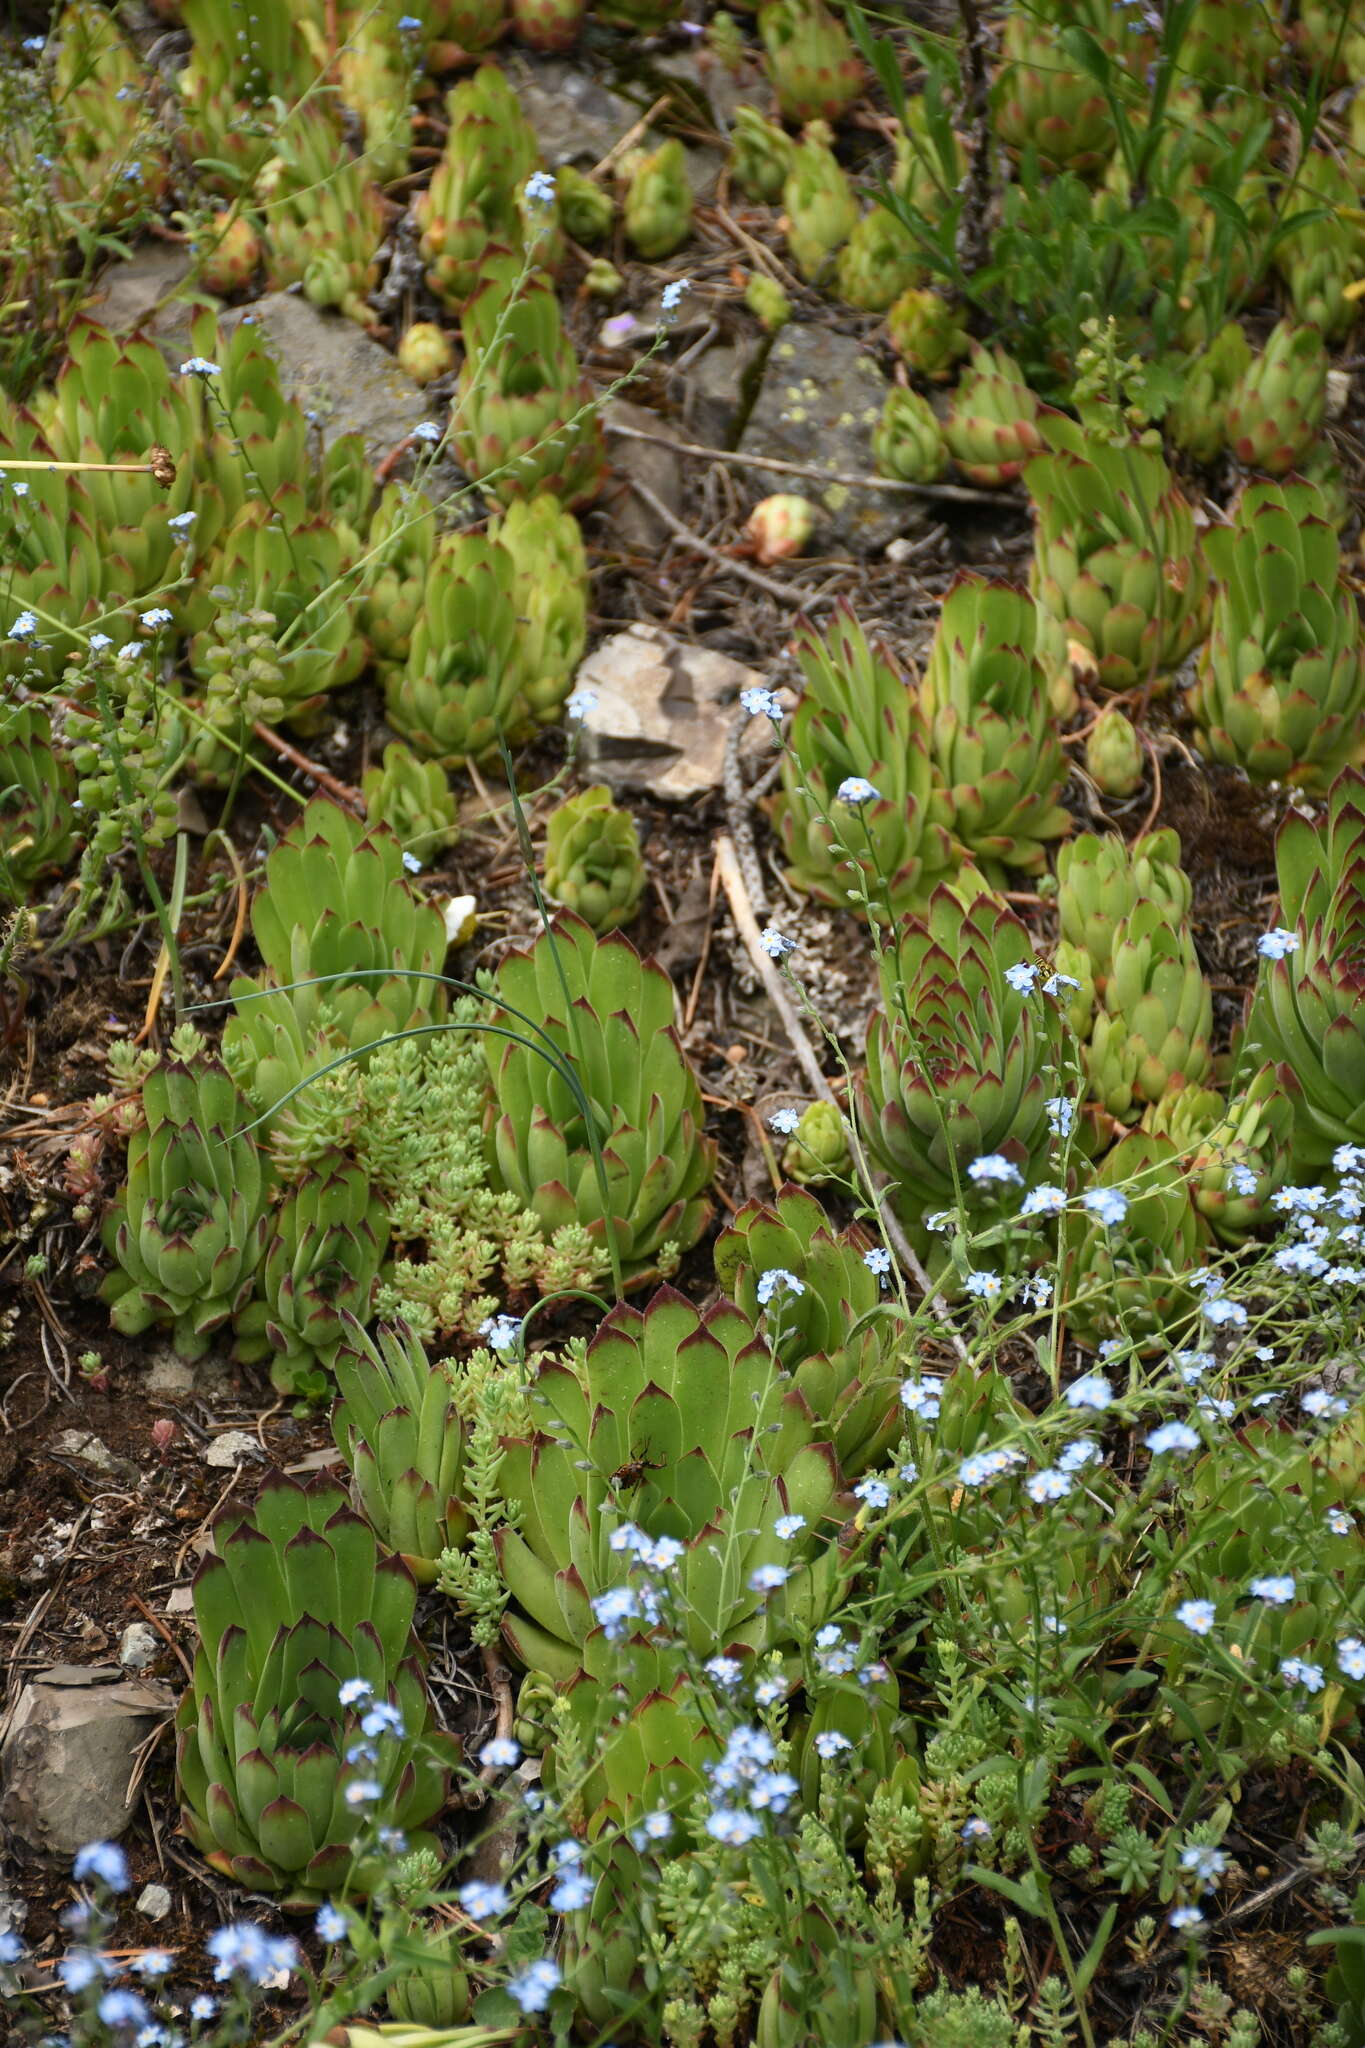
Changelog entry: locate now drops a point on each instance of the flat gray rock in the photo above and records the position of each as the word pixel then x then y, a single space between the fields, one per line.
pixel 67 1755
pixel 333 369
pixel 575 119
pixel 821 399
pixel 662 712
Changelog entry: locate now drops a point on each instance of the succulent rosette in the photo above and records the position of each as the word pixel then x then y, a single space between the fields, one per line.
pixel 476 202
pixel 604 1017
pixel 810 59
pixel 461 684
pixel 593 863
pixel 1274 410
pixel 414 800
pixel 658 207
pixel 296 1608
pixel 525 420
pixel 992 734
pixel 550 594
pixel 1281 689
pixel 321 1261
pixel 681 1427
pixel 818 201
pixel 992 424
pixel 1306 1015
pixel 956 1053
pixel 187 1229
pixel 37 785
pixel 1116 567
pixel 861 808
pixel 908 440
pixel 838 1337
pixel 1126 1268
pixel 1042 102
pixel 1153 1030
pixel 402 1436
pixel 350 953
pixel 1114 759
pixel 878 262
pixel 1197 421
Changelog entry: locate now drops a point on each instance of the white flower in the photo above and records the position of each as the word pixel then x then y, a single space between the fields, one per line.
pixel 878 1260
pixel 1043 1201
pixel 1277 944
pixel 784 1122
pixel 1093 1391
pixel 1351 1656
pixel 579 703
pixel 993 1166
pixel 1061 1114
pixel 199 366
pixel 1276 1591
pixel 1172 1436
pixel 500 1332
pixel 1105 1203
pixel 1049 1484
pixel 776 1279
pixel 1022 976
pixel 855 790
pixel 671 297
pixel 1198 1616
pixel 539 189
pixel 775 944
pixel 761 703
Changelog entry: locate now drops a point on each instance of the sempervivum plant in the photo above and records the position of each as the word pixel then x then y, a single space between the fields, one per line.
pixel 584 1030
pixel 460 686
pixel 810 59
pixel 308 1710
pixel 334 903
pixel 1116 563
pixel 841 1347
pixel 957 1052
pixel 592 859
pixel 1281 688
pixel 525 420
pixel 1153 1030
pixel 860 808
pixel 323 1257
pixel 402 1435
pixel 188 1228
pixel 1306 1014
pixel 682 1429
pixel 992 734
pixel 550 594
pixel 1273 412
pixel 1131 1247
pixel 992 424
pixel 474 202
pixel 1042 102
pixel 36 788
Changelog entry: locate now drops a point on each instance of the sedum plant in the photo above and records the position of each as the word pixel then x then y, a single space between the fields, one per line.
pixel 400 1430
pixel 294 1605
pixel 1116 566
pixel 525 420
pixel 1305 1014
pixel 593 863
pixel 1281 689
pixel 842 1346
pixel 859 727
pixel 37 785
pixel 322 1261
pixel 187 1229
pixel 334 903
pixel 636 1178
pixel 683 1427
pixel 956 1054
pixel 992 735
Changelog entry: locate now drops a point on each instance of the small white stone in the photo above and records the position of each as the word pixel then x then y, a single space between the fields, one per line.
pixel 233 1447
pixel 154 1902
pixel 138 1646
